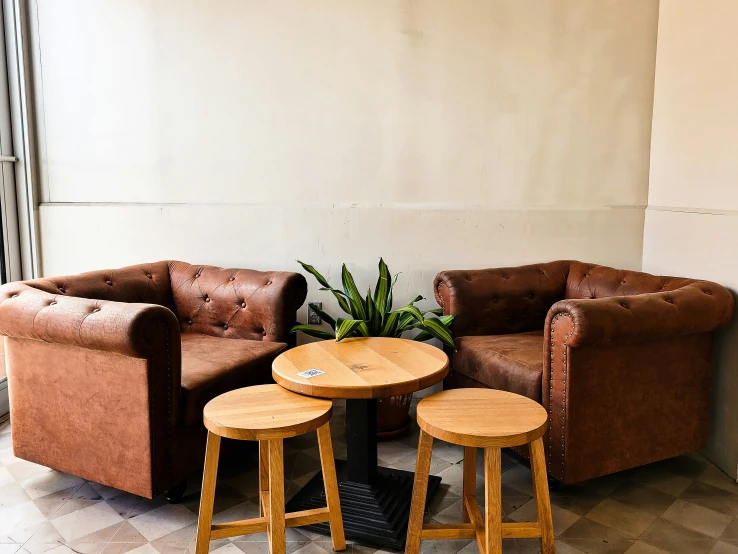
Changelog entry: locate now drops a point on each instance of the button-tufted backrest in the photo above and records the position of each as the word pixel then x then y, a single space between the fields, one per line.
pixel 503 300
pixel 143 283
pixel 599 281
pixel 232 303
pixel 506 300
pixel 236 303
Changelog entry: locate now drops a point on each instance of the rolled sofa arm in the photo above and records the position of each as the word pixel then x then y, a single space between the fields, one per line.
pixel 699 307
pixel 500 300
pixel 125 328
pixel 279 304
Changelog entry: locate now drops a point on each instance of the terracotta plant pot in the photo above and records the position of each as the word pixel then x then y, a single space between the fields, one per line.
pixel 393 416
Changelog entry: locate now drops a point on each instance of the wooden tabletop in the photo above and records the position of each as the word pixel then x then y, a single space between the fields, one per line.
pixel 361 367
pixel 482 417
pixel 264 412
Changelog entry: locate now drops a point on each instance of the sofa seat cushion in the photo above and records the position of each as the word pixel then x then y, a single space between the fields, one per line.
pixel 512 363
pixel 214 365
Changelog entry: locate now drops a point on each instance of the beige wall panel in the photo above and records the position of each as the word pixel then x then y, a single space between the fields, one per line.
pixel 498 103
pixel 704 246
pixel 694 155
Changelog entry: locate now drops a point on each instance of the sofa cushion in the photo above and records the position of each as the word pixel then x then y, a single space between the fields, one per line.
pixel 512 363
pixel 214 365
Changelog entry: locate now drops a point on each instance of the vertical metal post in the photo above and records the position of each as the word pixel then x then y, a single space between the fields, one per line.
pixel 361 441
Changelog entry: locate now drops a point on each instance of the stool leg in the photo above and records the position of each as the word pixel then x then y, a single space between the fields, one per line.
pixel 420 491
pixel 207 496
pixel 492 501
pixel 263 474
pixel 276 498
pixel 543 501
pixel 330 482
pixel 470 479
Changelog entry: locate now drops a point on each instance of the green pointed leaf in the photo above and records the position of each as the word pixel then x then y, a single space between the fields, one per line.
pixel 389 329
pixel 349 286
pixel 358 310
pixel 412 310
pixel 314 272
pixel 447 320
pixel 423 336
pixel 434 327
pixel 405 323
pixel 376 324
pixel 435 311
pixel 341 298
pixel 324 316
pixel 390 299
pixel 383 288
pixel 373 315
pixel 371 308
pixel 345 327
pixel 409 315
pixel 313 331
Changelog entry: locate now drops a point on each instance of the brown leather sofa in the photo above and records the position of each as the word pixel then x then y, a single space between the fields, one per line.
pixel 620 359
pixel 109 371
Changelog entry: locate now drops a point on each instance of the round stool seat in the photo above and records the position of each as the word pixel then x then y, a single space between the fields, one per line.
pixel 482 418
pixel 265 412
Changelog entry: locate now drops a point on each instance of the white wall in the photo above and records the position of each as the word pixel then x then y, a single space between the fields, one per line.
pixel 436 134
pixel 692 219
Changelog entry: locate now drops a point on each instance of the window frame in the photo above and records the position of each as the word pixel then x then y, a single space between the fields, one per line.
pixel 18 156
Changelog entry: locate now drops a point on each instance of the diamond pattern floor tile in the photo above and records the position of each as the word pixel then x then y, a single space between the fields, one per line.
pixel 86 521
pixel 163 520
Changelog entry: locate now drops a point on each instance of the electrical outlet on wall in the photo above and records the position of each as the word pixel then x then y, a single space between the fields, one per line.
pixel 314 318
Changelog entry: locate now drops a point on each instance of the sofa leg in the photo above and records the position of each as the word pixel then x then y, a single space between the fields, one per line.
pixel 174 494
pixel 555 485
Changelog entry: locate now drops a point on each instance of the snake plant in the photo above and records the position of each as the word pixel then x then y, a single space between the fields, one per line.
pixel 372 315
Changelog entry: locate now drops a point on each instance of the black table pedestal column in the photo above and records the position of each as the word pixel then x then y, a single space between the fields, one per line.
pixel 361 450
pixel 375 501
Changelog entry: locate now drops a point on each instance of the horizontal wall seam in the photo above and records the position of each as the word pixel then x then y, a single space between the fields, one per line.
pixel 338 205
pixel 693 211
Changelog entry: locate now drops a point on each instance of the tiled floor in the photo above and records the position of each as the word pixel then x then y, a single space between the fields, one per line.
pixel 683 505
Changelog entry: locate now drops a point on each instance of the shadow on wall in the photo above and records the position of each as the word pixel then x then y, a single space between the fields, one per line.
pixel 723 445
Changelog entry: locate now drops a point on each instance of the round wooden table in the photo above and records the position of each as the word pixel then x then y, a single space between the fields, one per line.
pixel 375 501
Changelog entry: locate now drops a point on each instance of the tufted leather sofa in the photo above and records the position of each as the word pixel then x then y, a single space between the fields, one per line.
pixel 109 371
pixel 620 359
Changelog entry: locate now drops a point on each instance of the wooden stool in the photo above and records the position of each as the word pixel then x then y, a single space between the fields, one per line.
pixel 489 419
pixel 268 414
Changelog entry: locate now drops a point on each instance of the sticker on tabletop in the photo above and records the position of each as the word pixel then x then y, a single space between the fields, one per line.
pixel 310 373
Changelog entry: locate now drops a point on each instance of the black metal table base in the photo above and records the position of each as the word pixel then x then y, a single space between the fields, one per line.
pixel 372 514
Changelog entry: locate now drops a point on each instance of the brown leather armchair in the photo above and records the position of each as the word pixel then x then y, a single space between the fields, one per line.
pixel 109 371
pixel 620 359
